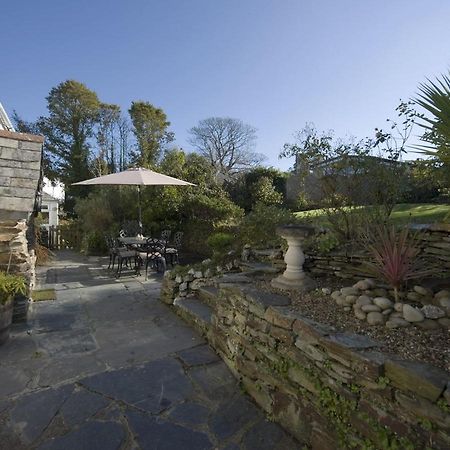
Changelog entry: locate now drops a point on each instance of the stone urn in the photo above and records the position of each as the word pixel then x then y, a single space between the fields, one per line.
pixel 294 277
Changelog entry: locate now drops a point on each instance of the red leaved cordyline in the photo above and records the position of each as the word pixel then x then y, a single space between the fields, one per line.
pixel 395 257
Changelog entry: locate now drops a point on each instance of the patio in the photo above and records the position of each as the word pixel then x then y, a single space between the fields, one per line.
pixel 108 366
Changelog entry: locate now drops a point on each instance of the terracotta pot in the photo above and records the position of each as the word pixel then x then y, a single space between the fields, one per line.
pixel 6 313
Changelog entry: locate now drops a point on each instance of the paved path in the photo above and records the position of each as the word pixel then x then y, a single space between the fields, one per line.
pixel 107 366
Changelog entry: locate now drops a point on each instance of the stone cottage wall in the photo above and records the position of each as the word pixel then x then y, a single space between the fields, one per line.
pixel 330 390
pixel 20 175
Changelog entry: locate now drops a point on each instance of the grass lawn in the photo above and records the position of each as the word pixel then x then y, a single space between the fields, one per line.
pixel 43 295
pixel 403 213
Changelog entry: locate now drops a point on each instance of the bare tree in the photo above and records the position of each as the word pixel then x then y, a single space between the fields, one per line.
pixel 227 143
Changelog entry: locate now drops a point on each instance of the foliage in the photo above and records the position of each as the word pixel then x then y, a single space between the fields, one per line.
pixel 342 175
pixel 325 242
pixel 434 97
pixel 94 243
pixel 96 210
pixel 394 256
pixel 73 113
pixel 227 144
pixel 220 243
pixel 150 128
pixel 10 285
pixel 261 184
pixel 258 228
pixel 422 182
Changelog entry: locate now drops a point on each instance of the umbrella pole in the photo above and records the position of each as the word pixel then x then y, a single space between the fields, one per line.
pixel 140 212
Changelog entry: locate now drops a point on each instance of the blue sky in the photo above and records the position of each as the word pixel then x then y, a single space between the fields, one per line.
pixel 275 64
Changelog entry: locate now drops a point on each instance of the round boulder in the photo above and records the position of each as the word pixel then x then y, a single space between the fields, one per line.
pixel 412 314
pixel 375 318
pixel 383 302
pixel 370 308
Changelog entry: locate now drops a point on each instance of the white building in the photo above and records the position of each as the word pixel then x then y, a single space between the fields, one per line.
pixel 50 210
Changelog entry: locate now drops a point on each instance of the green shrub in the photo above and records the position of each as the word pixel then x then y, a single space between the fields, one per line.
pixel 325 242
pixel 11 285
pixel 220 243
pixel 258 228
pixel 94 243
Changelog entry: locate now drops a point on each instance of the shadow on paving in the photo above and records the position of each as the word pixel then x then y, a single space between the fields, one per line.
pixel 108 366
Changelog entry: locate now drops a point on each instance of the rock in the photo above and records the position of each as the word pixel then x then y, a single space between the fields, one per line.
pixel 363 285
pixel 369 293
pixel 397 314
pixel 349 291
pixel 360 315
pixel 422 290
pixel 432 312
pixel 412 314
pixel 383 302
pixel 375 318
pixel 178 279
pixel 444 322
pixel 370 308
pixel 335 295
pixel 363 300
pixel 398 307
pixel 414 296
pixel 326 291
pixel 444 302
pixel 340 300
pixel 198 274
pixel 396 322
pixel 183 286
pixel 428 324
pixel 442 294
pixel 347 308
pixel 380 292
pixel 386 312
pixel 350 299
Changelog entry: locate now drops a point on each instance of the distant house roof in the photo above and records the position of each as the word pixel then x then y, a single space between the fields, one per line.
pixel 48 198
pixel 329 161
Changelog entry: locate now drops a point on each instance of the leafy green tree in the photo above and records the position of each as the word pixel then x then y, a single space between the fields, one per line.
pixel 261 184
pixel 434 97
pixel 68 130
pixel 150 127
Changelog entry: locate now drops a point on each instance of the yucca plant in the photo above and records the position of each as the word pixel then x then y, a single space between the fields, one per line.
pixel 395 257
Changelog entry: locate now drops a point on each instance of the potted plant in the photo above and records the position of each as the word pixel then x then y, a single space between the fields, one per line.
pixel 10 285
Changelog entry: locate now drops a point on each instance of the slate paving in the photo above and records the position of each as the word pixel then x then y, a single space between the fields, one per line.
pixel 107 366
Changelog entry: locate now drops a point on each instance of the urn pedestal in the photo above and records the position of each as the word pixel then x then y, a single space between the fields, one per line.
pixel 294 277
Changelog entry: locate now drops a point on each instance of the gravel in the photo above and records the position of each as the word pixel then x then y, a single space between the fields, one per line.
pixel 412 343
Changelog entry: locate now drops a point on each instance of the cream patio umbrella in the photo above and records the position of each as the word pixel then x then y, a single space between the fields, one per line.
pixel 136 176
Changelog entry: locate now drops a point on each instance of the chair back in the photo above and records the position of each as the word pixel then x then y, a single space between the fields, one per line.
pixel 177 238
pixel 165 235
pixel 131 228
pixel 153 246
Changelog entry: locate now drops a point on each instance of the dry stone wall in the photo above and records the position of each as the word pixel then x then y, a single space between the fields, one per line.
pixel 328 389
pixel 434 244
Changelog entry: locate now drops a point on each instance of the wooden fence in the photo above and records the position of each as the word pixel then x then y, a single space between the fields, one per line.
pixel 62 237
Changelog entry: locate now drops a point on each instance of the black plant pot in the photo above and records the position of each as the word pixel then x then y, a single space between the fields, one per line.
pixel 20 308
pixel 6 313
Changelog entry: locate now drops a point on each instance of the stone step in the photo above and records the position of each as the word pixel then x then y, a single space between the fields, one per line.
pixel 209 294
pixel 195 311
pixel 258 268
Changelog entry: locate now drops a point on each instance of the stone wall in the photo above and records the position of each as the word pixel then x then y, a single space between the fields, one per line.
pixel 328 389
pixel 20 175
pixel 435 250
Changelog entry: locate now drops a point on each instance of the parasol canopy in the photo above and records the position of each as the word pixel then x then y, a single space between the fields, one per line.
pixel 136 176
